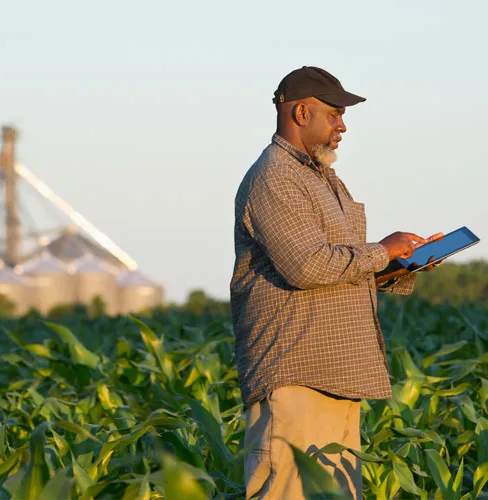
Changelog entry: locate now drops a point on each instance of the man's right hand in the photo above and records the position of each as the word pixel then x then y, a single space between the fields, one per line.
pixel 402 244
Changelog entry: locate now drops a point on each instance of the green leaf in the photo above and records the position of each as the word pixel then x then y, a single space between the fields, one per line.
pixel 455 391
pixel 128 439
pixel 83 480
pixel 405 477
pixel 193 376
pixel 480 478
pixel 483 394
pixel 406 361
pixel 58 487
pixel 419 433
pixel 482 439
pixel 79 353
pixel 2 442
pixel 13 460
pixel 467 407
pixel 36 473
pixel 317 483
pixel 153 343
pixel 458 480
pixel 410 392
pixel 434 436
pixel 333 448
pixel 443 351
pixel 439 470
pixel 15 337
pixel 77 429
pixel 177 480
pixel 131 492
pixel 39 350
pixel 14 483
pixel 144 492
pixel 211 430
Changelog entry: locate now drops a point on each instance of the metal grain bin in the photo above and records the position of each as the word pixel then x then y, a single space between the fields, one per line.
pixel 53 282
pixel 137 292
pixel 70 245
pixel 94 277
pixel 16 288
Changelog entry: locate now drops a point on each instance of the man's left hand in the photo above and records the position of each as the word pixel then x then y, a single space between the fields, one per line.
pixel 414 266
pixel 434 237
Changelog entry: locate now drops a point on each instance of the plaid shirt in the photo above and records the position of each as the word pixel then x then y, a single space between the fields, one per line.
pixel 303 291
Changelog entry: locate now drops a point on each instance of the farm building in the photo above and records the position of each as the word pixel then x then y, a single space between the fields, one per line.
pixel 75 265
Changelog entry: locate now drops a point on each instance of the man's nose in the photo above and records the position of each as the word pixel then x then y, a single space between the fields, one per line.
pixel 342 127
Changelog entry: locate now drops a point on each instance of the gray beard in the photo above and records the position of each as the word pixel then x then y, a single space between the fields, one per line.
pixel 324 155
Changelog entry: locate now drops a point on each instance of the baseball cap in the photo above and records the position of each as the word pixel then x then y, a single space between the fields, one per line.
pixel 309 81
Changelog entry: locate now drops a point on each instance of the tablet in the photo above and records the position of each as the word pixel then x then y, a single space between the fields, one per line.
pixel 452 243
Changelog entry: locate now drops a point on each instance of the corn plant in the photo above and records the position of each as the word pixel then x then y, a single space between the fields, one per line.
pixel 149 407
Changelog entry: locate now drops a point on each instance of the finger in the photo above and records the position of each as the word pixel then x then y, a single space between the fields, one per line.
pixel 410 250
pixel 417 238
pixel 436 236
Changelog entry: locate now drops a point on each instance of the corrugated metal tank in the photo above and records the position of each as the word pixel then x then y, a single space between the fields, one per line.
pixel 53 282
pixel 70 245
pixel 137 292
pixel 16 288
pixel 96 277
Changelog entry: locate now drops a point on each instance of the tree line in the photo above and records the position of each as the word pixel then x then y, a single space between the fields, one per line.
pixel 450 282
pixel 453 283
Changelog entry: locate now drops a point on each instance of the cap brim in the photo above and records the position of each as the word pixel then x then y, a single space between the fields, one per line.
pixel 340 99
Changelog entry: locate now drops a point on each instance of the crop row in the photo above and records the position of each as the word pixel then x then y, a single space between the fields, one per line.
pixel 150 408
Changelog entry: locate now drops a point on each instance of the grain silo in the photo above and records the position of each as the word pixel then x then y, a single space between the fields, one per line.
pixel 23 245
pixel 137 292
pixel 16 288
pixel 71 245
pixel 94 277
pixel 53 282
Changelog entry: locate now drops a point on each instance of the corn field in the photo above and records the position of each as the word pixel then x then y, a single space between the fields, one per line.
pixel 149 407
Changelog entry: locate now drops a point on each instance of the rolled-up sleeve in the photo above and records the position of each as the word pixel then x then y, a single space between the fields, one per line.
pixel 280 217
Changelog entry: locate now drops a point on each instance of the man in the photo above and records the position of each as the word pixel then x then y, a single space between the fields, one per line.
pixel 308 341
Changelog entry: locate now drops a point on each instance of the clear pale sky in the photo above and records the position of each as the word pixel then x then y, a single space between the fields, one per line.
pixel 145 116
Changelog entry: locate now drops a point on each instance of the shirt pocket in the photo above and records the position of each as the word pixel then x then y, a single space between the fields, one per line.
pixel 333 220
pixel 358 219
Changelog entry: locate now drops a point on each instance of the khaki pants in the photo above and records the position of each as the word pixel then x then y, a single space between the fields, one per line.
pixel 309 420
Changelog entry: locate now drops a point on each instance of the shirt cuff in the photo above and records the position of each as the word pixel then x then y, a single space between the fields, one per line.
pixel 381 257
pixel 405 284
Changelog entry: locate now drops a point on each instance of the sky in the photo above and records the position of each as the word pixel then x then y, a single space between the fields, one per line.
pixel 145 116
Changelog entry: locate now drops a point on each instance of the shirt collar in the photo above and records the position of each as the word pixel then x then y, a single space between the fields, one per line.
pixel 306 160
pixel 299 155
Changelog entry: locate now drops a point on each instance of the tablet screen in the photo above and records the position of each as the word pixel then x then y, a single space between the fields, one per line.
pixel 450 244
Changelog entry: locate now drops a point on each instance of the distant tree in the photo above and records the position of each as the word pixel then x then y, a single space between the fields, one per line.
pixel 97 306
pixel 33 313
pixel 80 309
pixel 60 310
pixel 7 306
pixel 198 302
pixel 455 283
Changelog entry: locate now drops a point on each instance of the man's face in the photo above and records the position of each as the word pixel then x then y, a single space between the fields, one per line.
pixel 322 133
pixel 326 125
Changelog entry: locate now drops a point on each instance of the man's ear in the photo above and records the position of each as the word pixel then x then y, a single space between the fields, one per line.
pixel 301 114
